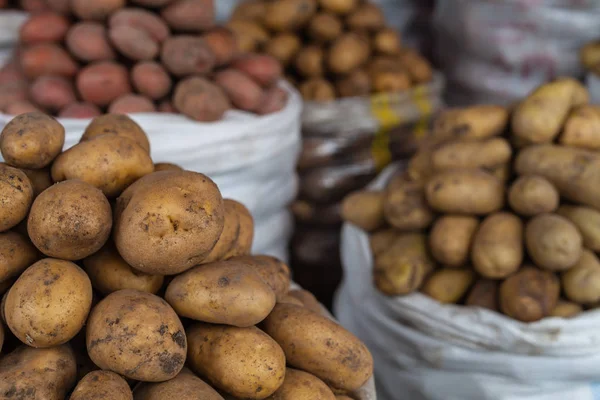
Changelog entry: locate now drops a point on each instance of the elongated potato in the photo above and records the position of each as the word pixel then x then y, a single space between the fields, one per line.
pixel 300 385
pixel 587 221
pixel 581 283
pixel 465 192
pixel 472 154
pixel 449 285
pixel 531 195
pixel 484 294
pixel 553 242
pixel 405 208
pixel 185 386
pixel 274 272
pixel 451 238
pixel 582 128
pixel 475 122
pixel 364 209
pixel 288 15
pixel 498 246
pixel 117 124
pixel 566 309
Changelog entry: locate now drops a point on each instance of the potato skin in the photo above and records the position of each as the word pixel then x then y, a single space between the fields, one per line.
pixel 319 346
pixel 40 179
pixel 164 166
pixel 341 7
pixel 274 272
pixel 16 196
pixel 531 195
pixel 449 285
pixel 405 208
pixel 74 227
pixel 185 386
pixel 553 242
pixel 137 335
pixel 310 62
pixel 497 250
pixel 587 221
pixel 102 82
pixel 581 283
pixel 367 17
pixel 229 235
pixel 347 53
pixel 380 241
pixel 32 140
pixel 475 122
pixel 364 209
pixel 566 309
pixel 49 303
pixel 100 385
pixel 117 124
pixel 243 243
pixel 308 299
pixel 16 254
pixel 317 89
pixel 288 15
pixel 200 99
pixel 283 47
pixel 484 294
pixel 185 55
pixel 472 154
pixel 582 128
pixel 216 351
pixel 451 238
pixel 215 293
pixel 300 385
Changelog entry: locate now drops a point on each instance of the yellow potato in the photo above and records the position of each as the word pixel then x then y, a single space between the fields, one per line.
pixel 347 53
pixel 40 179
pixel 16 196
pixel 164 166
pixel 341 7
pixel 391 81
pixel 250 10
pixel 274 272
pixel 284 47
pixel 288 15
pixel 449 285
pixel 317 89
pixel 531 195
pixel 230 234
pixel 356 83
pixel 387 42
pixel 417 66
pixel 502 172
pixel 582 128
pixel 475 122
pixel 566 309
pixel 364 209
pixel 587 221
pixel 308 300
pixel 16 254
pixel 366 17
pixel 99 385
pixel 325 27
pixel 243 244
pixel 581 283
pixel 405 208
pixel 185 386
pixel 382 240
pixel 589 55
pixel 451 238
pixel 472 154
pixel 250 35
pixel 299 385
pixel 310 62
pixel 117 124
pixel 484 294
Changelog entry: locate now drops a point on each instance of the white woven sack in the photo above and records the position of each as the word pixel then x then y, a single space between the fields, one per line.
pixel 593 85
pixel 426 350
pixel 10 23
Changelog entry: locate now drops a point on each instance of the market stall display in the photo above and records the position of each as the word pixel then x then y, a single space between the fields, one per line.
pixel 109 265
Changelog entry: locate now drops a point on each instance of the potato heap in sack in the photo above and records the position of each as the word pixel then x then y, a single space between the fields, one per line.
pixel 79 58
pixel 501 209
pixel 330 48
pixel 127 279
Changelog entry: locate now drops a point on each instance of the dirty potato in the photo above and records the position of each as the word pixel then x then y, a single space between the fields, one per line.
pixel 405 208
pixel 116 124
pixel 99 385
pixel 582 128
pixel 474 122
pixel 16 254
pixel 185 386
pixel 484 294
pixel 531 195
pixel 274 272
pixel 300 385
pixel 451 238
pixel 472 154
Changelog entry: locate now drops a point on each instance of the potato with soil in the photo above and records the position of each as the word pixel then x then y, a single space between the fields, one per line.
pixel 531 195
pixel 347 53
pixel 308 300
pixel 587 221
pixel 229 235
pixel 451 238
pixel 187 55
pixel 474 122
pixel 200 99
pixel 164 166
pixel 49 303
pixel 30 373
pixel 244 362
pixel 137 335
pixel 472 154
pixel 357 83
pixel 566 309
pixel 32 140
pixel 529 295
pixel 70 220
pixel 449 285
pixel 243 243
pixel 380 241
pixel 225 292
pixel 288 15
pixel 116 124
pixel 319 346
pixel 185 386
pixel 16 254
pixel 100 385
pixel 274 272
pixel 16 196
pixel 167 222
pixel 102 82
pixel 582 128
pixel 300 385
pixel 484 294
pixel 581 283
pixel 364 209
pixel 553 242
pixel 405 208
pixel 250 35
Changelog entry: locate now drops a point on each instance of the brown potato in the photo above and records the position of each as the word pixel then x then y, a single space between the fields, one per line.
pixel 449 285
pixel 319 346
pixel 98 10
pixel 249 10
pixel 347 53
pixel 200 99
pixel 99 385
pixel 190 15
pixel 582 128
pixel 465 192
pixel 70 220
pixel 484 294
pixel 581 283
pixel 16 254
pixel 40 179
pixel 531 195
pixel 471 154
pixel 405 207
pixel 364 209
pixel 274 272
pixel 587 221
pixel 32 140
pixel 224 292
pixel 243 92
pixel 284 47
pixel 250 35
pixel 325 27
pixel 589 55
pixel 16 196
pixel 243 243
pixel 529 295
pixel 288 15
pixel 102 82
pixel 185 386
pixel 451 238
pixel 109 273
pixel 310 62
pixel 566 309
pixel 391 81
pixel 133 42
pixel 382 240
pixel 137 335
pixel 366 17
pixel 185 55
pixel 49 303
pixel 341 7
pixel 475 122
pixel 417 66
pixel 497 250
pixel 290 300
pixel 244 362
pixel 299 385
pixel 308 300
pixel 88 41
pixel 387 42
pixel 317 89
pixel 117 124
pixel 164 166
pixel 357 83
pixel 553 242
pixel 230 234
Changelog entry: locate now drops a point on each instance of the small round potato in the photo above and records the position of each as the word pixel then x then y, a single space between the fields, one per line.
pixel 310 62
pixel 364 209
pixel 49 303
pixel 273 271
pixel 101 385
pixel 244 362
pixel 185 386
pixel 581 283
pixel 300 385
pixel 16 196
pixel 366 17
pixel 32 140
pixel 566 309
pixel 484 294
pixel 451 238
pixel 230 234
pixel 16 254
pixel 117 124
pixel 553 242
pixel 449 285
pixel 325 27
pixel 70 220
pixel 137 335
pixel 531 195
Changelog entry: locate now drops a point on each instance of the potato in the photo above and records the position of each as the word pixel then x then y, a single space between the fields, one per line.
pixel 31 373
pixel 566 309
pixel 497 250
pixel 553 242
pixel 581 284
pixel 309 301
pixel 133 43
pixel 187 55
pixel 16 254
pixel 243 243
pixel 449 285
pixel 153 3
pixel 88 41
pixel 49 303
pixel 364 209
pixel 341 7
pixel 244 362
pixel 465 192
pixel 541 115
pixel 347 53
pixel 70 220
pixel 190 15
pixel 275 100
pixel 131 104
pixel 357 83
pixel 262 68
pixel 589 55
pixel 223 43
pixel 405 207
pixel 11 92
pixel 387 42
pixel 151 80
pixel 529 295
pixel 243 92
pixel 46 59
pixel 472 154
pixel 33 6
pixel 581 128
pixel 319 346
pixel 317 89
pixel 402 269
pixel 299 385
pixel 120 125
pixel 531 195
pixel 167 167
pixel 98 385
pixel 249 10
pixel 200 99
pixel 417 66
pixel 274 272
pixel 167 222
pixel 40 179
pixel 380 241
pixel 98 10
pixel 230 234
pixel 391 81
pixel 102 82
pixel 166 106
pixel 80 111
pixel 43 27
pixel 474 122
pixel 185 386
pixel 16 196
pixel 31 140
pixel 288 15
pixel 141 19
pixel 451 238
pixel 60 6
pixel 250 35
pixel 283 47
pixel 484 294
pixel 586 220
pixel 310 62
pixel 52 92
pixel 20 107
pixel 325 27
pixel 109 273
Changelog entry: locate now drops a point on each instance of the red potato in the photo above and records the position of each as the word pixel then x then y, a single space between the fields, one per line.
pixel 11 72
pixel 243 92
pixel 80 111
pixel 96 10
pixel 52 92
pixel 263 69
pixel 152 3
pixel 47 59
pixel 11 92
pixel 103 82
pixel 275 100
pixel 3 3
pixel 88 41
pixel 134 43
pixel 44 27
pixel 131 104
pixel 223 43
pixel 166 106
pixel 33 6
pixel 190 15
pixel 59 6
pixel 20 107
pixel 151 79
pixel 141 19
pixel 187 55
pixel 200 99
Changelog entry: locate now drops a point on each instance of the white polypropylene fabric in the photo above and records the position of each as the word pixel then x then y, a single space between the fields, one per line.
pixel 593 85
pixel 424 350
pixel 251 158
pixel 10 23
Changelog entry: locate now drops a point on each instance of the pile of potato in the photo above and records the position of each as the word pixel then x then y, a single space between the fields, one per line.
pixel 80 58
pixel 120 273
pixel 590 57
pixel 501 209
pixel 330 48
